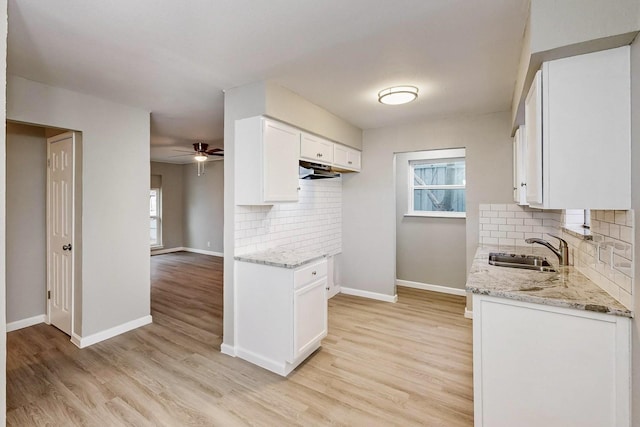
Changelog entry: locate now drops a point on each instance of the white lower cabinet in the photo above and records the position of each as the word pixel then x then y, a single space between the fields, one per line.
pixel 281 313
pixel 536 365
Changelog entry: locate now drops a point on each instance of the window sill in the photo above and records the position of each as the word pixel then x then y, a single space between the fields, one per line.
pixel 578 231
pixel 155 248
pixel 461 215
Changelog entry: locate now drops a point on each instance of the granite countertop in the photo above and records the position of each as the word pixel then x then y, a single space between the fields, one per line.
pixel 279 257
pixel 565 288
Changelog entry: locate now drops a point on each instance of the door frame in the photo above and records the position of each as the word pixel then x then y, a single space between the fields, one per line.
pixel 51 141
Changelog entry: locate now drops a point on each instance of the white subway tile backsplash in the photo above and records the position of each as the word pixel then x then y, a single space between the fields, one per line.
pixel 511 224
pixel 608 259
pixel 626 234
pixel 312 224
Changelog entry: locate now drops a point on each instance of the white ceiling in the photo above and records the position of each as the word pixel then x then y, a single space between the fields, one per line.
pixel 174 58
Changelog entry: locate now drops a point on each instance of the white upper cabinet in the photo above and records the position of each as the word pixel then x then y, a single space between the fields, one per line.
pixel 316 149
pixel 266 162
pixel 578 133
pixel 519 170
pixel 346 158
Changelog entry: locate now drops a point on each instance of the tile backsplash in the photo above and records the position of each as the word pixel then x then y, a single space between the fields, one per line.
pixel 608 258
pixel 314 223
pixel 510 224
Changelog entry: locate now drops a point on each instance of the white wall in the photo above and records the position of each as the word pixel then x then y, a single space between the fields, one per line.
pixel 369 208
pixel 282 104
pixel 115 178
pixel 172 203
pixel 203 207
pixel 635 204
pixel 3 204
pixel 26 221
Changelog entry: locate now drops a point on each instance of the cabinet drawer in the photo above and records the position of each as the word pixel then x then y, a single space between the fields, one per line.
pixel 309 273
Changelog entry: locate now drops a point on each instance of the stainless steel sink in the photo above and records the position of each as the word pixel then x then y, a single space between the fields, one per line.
pixel 527 262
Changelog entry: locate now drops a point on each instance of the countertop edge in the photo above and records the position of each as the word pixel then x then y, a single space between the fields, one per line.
pixel 278 264
pixel 550 302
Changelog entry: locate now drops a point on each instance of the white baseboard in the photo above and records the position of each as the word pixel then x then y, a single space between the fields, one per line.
pixel 468 314
pixel 203 252
pixel 228 350
pixel 83 342
pixel 167 251
pixel 433 288
pixel 25 323
pixel 370 295
pixel 184 249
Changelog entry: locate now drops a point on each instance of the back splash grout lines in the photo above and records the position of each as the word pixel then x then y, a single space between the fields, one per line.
pixel 314 223
pixel 608 259
pixel 511 224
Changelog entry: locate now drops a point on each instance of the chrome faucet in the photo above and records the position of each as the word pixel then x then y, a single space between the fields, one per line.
pixel 562 252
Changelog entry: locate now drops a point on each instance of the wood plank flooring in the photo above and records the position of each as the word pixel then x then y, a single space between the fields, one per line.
pixel 382 364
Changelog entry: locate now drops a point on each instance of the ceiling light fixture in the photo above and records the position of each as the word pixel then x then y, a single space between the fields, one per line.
pixel 397 95
pixel 200 157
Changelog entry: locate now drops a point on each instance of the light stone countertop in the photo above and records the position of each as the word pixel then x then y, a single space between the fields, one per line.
pixel 565 288
pixel 279 257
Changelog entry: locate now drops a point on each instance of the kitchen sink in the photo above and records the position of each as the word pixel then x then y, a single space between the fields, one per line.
pixel 527 262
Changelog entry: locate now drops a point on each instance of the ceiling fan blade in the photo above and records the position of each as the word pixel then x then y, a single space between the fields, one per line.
pixel 216 152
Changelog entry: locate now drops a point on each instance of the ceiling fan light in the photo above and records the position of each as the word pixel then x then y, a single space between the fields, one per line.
pixel 397 95
pixel 200 157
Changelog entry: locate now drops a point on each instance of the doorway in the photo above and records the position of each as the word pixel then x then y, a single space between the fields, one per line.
pixel 28 241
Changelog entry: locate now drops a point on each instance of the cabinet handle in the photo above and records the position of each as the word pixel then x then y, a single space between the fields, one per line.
pixel 349 162
pixel 523 184
pixel 313 273
pixel 319 154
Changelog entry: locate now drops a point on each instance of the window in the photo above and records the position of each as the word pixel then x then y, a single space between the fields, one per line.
pixel 437 184
pixel 155 209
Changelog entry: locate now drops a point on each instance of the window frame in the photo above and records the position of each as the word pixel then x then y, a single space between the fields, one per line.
pixel 157 217
pixel 431 157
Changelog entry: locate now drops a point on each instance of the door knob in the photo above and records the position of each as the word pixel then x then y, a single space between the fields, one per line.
pixel 66 247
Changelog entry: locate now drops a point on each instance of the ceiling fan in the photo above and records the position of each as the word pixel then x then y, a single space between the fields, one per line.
pixel 201 152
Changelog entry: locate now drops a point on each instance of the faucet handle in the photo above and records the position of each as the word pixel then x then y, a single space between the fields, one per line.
pixel 562 241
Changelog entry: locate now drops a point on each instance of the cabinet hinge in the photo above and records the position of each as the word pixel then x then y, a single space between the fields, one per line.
pixel 48 294
pixel 48 163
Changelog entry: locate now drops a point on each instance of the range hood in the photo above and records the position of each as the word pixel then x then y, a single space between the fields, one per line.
pixel 309 170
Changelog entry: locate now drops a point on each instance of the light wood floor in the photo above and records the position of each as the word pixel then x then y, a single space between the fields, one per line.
pixel 382 364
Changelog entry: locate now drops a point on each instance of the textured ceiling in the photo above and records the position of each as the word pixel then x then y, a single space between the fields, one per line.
pixel 175 58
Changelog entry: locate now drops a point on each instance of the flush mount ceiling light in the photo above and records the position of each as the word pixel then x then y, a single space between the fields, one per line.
pixel 397 95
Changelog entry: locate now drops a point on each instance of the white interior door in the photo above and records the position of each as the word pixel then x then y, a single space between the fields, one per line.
pixel 60 204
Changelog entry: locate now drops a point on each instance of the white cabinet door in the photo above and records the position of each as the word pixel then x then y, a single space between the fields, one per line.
pixel 316 149
pixel 266 162
pixel 346 158
pixel 310 316
pixel 280 162
pixel 578 133
pixel 537 365
pixel 533 136
pixel 519 167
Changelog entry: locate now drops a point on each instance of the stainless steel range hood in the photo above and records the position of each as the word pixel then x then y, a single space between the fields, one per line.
pixel 309 170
